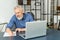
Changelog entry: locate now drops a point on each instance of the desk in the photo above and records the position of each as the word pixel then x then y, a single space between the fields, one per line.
pixel 51 35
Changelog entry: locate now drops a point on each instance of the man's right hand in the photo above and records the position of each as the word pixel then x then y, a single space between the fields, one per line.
pixel 9 32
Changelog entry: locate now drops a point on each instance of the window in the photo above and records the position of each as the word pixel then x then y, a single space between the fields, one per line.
pixel 22 2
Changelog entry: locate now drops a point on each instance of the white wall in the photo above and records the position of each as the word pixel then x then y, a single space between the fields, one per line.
pixel 58 2
pixel 6 9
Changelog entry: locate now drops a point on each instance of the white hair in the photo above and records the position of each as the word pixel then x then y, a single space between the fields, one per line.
pixel 18 6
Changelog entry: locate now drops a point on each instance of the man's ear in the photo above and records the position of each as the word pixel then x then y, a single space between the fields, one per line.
pixel 23 11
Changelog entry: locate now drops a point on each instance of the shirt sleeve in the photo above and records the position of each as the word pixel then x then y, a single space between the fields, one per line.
pixel 11 23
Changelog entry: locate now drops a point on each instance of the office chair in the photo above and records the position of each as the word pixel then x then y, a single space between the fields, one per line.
pixel 31 14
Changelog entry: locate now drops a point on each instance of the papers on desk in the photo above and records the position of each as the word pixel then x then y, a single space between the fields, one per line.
pixel 7 35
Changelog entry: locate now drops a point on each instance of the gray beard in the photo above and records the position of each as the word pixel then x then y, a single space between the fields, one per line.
pixel 19 18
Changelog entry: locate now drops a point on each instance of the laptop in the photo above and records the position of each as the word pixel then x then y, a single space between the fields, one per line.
pixel 34 29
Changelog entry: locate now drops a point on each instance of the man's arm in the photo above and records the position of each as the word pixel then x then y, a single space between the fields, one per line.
pixel 9 26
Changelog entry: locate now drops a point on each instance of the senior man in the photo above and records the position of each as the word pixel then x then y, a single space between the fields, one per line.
pixel 19 19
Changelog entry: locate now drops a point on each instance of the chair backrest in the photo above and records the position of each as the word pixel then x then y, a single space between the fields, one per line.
pixel 31 14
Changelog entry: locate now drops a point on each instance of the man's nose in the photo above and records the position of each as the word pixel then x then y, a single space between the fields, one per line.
pixel 17 15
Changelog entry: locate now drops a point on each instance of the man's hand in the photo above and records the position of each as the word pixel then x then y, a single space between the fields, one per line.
pixel 23 29
pixel 20 29
pixel 9 32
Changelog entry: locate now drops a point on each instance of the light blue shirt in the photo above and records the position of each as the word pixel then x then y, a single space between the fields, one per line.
pixel 27 17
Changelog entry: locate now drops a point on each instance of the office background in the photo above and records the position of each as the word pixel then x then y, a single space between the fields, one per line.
pixel 42 10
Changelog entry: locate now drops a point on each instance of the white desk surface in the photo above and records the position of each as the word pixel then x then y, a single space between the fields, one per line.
pixel 7 35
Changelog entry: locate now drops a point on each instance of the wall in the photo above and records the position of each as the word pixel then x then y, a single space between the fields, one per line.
pixel 58 2
pixel 6 9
